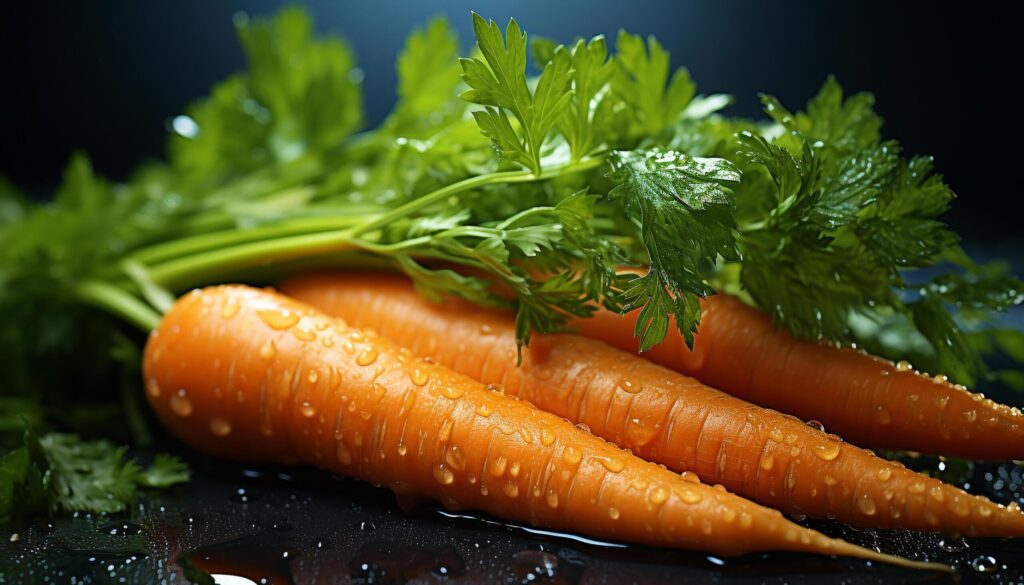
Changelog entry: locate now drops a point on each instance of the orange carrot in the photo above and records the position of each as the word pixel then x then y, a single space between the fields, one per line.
pixel 661 415
pixel 867 400
pixel 251 375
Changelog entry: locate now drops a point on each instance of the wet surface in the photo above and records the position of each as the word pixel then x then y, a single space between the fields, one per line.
pixel 273 525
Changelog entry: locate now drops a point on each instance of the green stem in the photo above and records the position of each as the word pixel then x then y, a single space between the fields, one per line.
pixel 233 237
pixel 469 184
pixel 114 299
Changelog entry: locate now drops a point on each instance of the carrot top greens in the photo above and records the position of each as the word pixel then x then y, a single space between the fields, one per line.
pixel 544 183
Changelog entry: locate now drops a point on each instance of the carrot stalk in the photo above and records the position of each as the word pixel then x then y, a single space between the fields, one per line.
pixel 867 400
pixel 251 375
pixel 661 415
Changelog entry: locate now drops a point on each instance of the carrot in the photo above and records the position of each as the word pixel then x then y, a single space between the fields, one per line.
pixel 250 375
pixel 867 400
pixel 661 415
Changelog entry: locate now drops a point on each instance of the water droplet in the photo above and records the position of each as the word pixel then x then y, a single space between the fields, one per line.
pixel 613 513
pixel 153 388
pixel 572 455
pixel 511 489
pixel 883 474
pixel 971 415
pixel 628 386
pixel 776 435
pixel 690 477
pixel 446 431
pixel 903 366
pixel 484 410
pixel 220 427
pixel 827 452
pixel 180 404
pixel 344 455
pixel 728 515
pixel 307 410
pixel 917 487
pixel 402 449
pixel 984 564
pixel 483 490
pixel 513 469
pixel 453 392
pixel 984 511
pixel 230 308
pixel 639 434
pixel 485 329
pixel 268 350
pixel 471 478
pixel 367 357
pixel 496 388
pixel 497 467
pixel 443 475
pixel 882 415
pixel 943 401
pixel 313 376
pixel 658 496
pixel 611 464
pixel 829 480
pixel 455 458
pixel 279 319
pixel 867 505
pixel 959 506
pixel 690 496
pixel 746 520
pixel 937 494
pixel 767 462
pixel 552 499
pixel 940 379
pixel 419 377
pixel 815 424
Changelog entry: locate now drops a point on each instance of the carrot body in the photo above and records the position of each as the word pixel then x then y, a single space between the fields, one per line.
pixel 867 400
pixel 250 375
pixel 661 415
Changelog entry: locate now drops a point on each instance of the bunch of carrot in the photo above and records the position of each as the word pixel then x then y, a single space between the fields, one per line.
pixel 430 401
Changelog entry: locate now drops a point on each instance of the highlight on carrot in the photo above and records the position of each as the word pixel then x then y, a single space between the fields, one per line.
pixel 868 400
pixel 250 375
pixel 661 415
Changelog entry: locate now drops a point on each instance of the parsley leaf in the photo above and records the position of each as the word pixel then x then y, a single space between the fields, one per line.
pixel 499 82
pixel 683 209
pixel 653 102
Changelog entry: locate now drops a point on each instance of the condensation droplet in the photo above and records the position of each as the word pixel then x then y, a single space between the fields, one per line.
pixel 658 496
pixel 402 449
pixel 230 308
pixel 268 350
pixel 312 376
pixel 629 386
pixel 572 455
pixel 153 388
pixel 455 458
pixel 443 475
pixel 453 392
pixel 690 477
pixel 511 489
pixel 690 496
pixel 419 377
pixel 826 452
pixel 446 431
pixel 367 357
pixel 882 415
pixel 613 513
pixel 767 462
pixel 304 333
pixel 307 410
pixel 220 427
pixel 484 410
pixel 611 464
pixel 497 467
pixel 552 499
pixel 344 455
pixel 867 505
pixel 180 404
pixel 903 366
pixel 884 474
pixel 279 319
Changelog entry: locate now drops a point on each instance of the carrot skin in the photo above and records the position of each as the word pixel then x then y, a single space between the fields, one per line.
pixel 344 400
pixel 661 415
pixel 867 400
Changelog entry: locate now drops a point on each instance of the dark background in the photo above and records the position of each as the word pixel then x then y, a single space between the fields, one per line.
pixel 105 77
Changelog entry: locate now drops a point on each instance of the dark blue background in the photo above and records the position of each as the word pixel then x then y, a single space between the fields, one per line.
pixel 104 77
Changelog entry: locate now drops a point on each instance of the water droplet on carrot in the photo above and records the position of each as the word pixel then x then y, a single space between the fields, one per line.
pixel 628 386
pixel 230 308
pixel 402 449
pixel 613 513
pixel 312 376
pixel 767 462
pixel 497 467
pixel 268 350
pixel 959 506
pixel 419 377
pixel 153 388
pixel 180 404
pixel 936 494
pixel 638 433
pixel 496 388
pixel 446 431
pixel 321 325
pixel 706 527
pixel 407 403
pixel 344 455
pixel 547 437
pixel 304 333
pixel 917 487
pixel 882 415
pixel 455 458
pixel 552 499
pixel 984 511
pixel 572 455
pixel 903 366
pixel 658 496
pixel 471 478
pixel 1013 507
pixel 453 392
pixel 866 504
pixel 357 439
pixel 728 515
pixel 884 474
pixel 971 415
pixel 484 410
pixel 220 427
pixel 827 452
pixel 611 464
pixel 746 520
pixel 689 476
pixel 279 319
pixel 483 490
pixel 443 475
pixel 776 435
pixel 940 379
pixel 690 496
pixel 307 410
pixel 367 357
pixel 524 434
pixel 829 480
pixel 513 469
pixel 485 329
pixel 511 489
